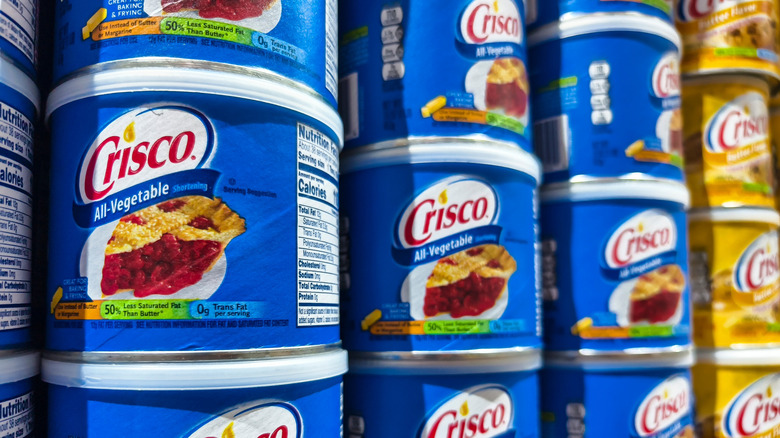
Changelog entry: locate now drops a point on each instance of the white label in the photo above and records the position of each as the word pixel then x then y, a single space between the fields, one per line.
pixel 754 411
pixel 331 46
pixel 270 420
pixel 16 416
pixel 478 412
pixel 664 407
pixel 646 235
pixel 318 229
pixel 392 15
pixel 599 70
pixel 393 71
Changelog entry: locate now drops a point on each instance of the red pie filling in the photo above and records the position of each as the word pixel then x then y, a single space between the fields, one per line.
pixel 509 96
pixel 228 9
pixel 658 308
pixel 163 267
pixel 467 297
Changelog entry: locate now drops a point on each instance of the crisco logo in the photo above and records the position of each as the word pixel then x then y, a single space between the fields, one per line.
pixel 447 208
pixel 758 265
pixel 641 237
pixel 141 145
pixel 741 122
pixel 666 405
pixel 666 76
pixel 755 411
pixel 269 420
pixel 491 21
pixel 478 412
pixel 690 10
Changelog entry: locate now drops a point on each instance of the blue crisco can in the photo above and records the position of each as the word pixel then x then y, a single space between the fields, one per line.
pixel 18 374
pixel 542 12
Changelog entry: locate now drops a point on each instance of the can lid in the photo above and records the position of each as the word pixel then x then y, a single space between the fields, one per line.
pixel 12 77
pixel 196 375
pixel 190 80
pixel 598 23
pixel 615 362
pixel 627 189
pixel 17 366
pixel 446 364
pixel 752 357
pixel 727 78
pixel 764 215
pixel 445 151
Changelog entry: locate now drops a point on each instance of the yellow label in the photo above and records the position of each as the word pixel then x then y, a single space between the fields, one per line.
pixel 736 287
pixel 727 151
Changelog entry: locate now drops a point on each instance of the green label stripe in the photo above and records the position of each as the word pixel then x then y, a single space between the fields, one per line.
pixel 355 34
pixel 502 121
pixel 660 4
pixel 651 331
pixel 737 51
pixel 478 326
pixel 145 309
pixel 206 29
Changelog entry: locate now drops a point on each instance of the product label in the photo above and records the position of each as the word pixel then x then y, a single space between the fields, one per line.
pixel 272 420
pixel 485 90
pixel 594 118
pixel 636 294
pixel 754 411
pixel 552 10
pixel 665 410
pixel 458 257
pixel 16 416
pixel 18 26
pixel 480 412
pixel 170 220
pixel 264 33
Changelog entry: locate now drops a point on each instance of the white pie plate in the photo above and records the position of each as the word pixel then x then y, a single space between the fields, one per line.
pixel 413 292
pixel 96 244
pixel 620 305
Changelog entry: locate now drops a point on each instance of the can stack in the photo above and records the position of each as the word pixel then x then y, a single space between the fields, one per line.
pixel 19 112
pixel 605 80
pixel 729 69
pixel 440 278
pixel 193 252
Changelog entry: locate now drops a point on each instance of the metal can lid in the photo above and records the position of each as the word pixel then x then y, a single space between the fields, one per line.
pixel 764 215
pixel 12 77
pixel 618 362
pixel 444 150
pixel 185 79
pixel 599 23
pixel 196 375
pixel 732 357
pixel 622 189
pixel 16 366
pixel 727 78
pixel 475 362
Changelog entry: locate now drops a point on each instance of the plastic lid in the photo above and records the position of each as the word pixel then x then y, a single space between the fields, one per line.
pixel 598 23
pixel 616 362
pixel 753 357
pixel 447 364
pixel 196 375
pixel 712 79
pixel 19 366
pixel 627 189
pixel 183 79
pixel 11 76
pixel 764 215
pixel 445 151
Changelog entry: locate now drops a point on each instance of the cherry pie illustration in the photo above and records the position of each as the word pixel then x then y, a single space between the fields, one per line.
pixel 166 247
pixel 507 87
pixel 233 10
pixel 656 295
pixel 469 282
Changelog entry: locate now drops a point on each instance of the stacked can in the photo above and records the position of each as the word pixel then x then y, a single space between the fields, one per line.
pixel 19 112
pixel 729 69
pixel 605 81
pixel 193 252
pixel 440 295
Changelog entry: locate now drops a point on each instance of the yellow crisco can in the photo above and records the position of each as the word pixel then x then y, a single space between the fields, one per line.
pixel 728 161
pixel 737 393
pixel 735 282
pixel 729 36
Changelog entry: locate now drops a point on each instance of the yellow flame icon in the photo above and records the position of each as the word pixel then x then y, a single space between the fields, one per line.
pixel 666 393
pixel 129 134
pixel 641 227
pixel 495 5
pixel 228 432
pixel 464 408
pixel 443 197
pixel 769 391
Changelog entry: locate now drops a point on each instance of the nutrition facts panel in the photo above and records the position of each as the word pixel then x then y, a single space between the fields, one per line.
pixel 318 233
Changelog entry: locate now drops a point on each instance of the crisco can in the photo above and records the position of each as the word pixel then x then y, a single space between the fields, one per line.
pixel 548 11
pixel 726 139
pixel 774 136
pixel 735 282
pixel 728 36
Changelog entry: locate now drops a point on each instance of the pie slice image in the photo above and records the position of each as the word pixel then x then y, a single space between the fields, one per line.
pixel 656 295
pixel 233 10
pixel 166 247
pixel 469 282
pixel 507 87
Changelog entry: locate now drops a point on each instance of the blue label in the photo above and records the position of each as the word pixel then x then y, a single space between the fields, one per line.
pixel 500 405
pixel 611 108
pixel 184 227
pixel 265 34
pixel 433 68
pixel 442 260
pixel 19 33
pixel 17 409
pixel 291 411
pixel 619 282
pixel 543 12
pixel 647 403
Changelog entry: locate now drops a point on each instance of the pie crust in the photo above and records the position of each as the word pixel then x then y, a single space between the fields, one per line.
pixel 507 87
pixel 657 294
